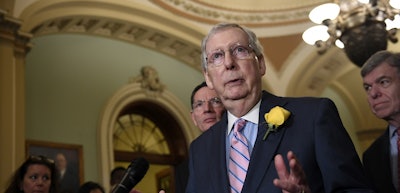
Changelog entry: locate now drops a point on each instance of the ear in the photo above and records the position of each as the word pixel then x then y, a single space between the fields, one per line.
pixel 208 80
pixel 261 64
pixel 193 119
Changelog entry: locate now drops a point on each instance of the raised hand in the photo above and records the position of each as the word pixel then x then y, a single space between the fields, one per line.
pixel 292 181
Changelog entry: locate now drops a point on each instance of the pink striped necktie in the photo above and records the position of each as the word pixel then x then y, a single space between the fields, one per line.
pixel 239 157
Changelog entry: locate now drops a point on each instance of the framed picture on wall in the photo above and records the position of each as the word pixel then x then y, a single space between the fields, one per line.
pixel 165 180
pixel 68 160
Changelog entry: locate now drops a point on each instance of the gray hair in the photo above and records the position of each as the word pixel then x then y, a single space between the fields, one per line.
pixel 379 58
pixel 253 41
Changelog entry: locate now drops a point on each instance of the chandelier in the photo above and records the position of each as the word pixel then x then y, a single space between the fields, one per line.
pixel 360 27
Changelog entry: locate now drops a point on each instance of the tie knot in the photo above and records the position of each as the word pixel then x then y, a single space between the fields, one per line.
pixel 239 125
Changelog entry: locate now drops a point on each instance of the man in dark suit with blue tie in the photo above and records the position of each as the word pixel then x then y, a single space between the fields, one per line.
pixel 381 81
pixel 319 154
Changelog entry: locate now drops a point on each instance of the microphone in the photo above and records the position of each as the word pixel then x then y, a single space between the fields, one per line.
pixel 135 172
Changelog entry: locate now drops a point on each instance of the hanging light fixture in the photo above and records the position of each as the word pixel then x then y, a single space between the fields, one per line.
pixel 360 27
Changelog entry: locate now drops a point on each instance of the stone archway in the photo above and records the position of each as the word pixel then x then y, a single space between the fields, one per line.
pixel 134 94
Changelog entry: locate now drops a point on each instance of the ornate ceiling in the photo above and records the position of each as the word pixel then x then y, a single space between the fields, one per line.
pixel 175 27
pixel 252 13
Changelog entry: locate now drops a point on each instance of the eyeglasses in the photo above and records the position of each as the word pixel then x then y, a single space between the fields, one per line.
pixel 215 102
pixel 237 51
pixel 40 158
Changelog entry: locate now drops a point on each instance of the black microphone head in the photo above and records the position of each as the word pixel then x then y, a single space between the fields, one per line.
pixel 135 172
pixel 138 168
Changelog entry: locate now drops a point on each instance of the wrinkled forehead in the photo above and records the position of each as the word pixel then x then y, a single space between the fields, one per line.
pixel 225 38
pixel 383 70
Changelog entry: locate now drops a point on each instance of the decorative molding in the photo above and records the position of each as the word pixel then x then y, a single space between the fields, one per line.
pixel 123 31
pixel 202 12
pixel 316 74
pixel 323 75
pixel 9 30
pixel 23 43
pixel 149 81
pixel 8 26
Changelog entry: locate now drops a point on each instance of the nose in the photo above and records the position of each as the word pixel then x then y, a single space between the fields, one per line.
pixel 207 106
pixel 228 62
pixel 374 92
pixel 39 182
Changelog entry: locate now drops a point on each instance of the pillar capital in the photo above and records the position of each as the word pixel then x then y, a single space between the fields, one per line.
pixel 9 32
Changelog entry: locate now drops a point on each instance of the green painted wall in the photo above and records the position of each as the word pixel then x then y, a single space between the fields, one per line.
pixel 69 78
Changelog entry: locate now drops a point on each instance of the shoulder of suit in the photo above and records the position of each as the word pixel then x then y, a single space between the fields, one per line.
pixel 381 141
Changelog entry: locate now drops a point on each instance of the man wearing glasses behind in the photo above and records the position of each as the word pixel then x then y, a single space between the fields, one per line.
pixel 207 109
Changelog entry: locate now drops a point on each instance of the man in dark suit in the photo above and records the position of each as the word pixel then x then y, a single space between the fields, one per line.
pixel 307 130
pixel 381 80
pixel 207 109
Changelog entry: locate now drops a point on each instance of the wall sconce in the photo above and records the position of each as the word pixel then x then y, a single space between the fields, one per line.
pixel 360 27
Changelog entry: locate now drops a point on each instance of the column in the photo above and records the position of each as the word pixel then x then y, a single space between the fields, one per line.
pixel 13 48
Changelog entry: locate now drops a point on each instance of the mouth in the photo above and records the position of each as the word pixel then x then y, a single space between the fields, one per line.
pixel 209 120
pixel 235 82
pixel 378 105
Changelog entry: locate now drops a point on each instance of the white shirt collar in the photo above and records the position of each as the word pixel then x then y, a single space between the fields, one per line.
pixel 252 116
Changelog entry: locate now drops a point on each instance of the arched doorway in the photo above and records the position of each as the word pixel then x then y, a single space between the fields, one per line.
pixel 140 123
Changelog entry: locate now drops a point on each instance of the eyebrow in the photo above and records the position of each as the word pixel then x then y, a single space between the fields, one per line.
pixel 209 98
pixel 230 46
pixel 382 77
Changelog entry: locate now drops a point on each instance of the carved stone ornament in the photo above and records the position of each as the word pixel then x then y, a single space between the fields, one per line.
pixel 149 79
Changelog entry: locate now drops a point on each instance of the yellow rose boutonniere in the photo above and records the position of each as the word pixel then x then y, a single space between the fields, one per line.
pixel 275 118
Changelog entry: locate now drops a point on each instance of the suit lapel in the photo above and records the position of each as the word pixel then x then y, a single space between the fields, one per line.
pixel 220 179
pixel 385 163
pixel 264 150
